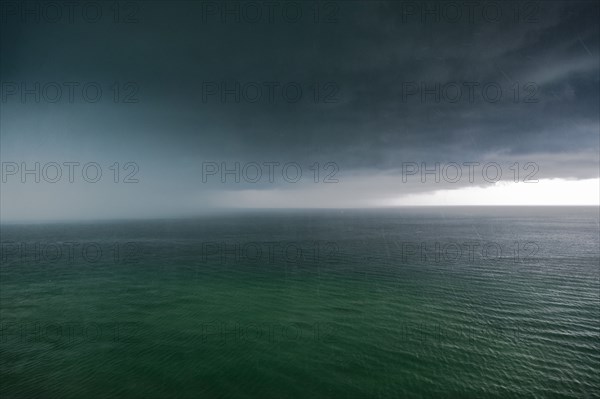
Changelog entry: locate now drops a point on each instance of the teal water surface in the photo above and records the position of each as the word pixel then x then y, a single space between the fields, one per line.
pixel 438 302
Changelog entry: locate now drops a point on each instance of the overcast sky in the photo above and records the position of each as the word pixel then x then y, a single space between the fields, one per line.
pixel 363 88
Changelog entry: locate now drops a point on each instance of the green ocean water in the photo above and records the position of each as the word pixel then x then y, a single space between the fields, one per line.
pixel 423 302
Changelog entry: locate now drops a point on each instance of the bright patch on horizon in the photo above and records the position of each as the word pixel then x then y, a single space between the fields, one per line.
pixel 545 192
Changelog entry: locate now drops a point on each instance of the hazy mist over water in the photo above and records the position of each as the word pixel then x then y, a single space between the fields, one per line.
pixel 299 199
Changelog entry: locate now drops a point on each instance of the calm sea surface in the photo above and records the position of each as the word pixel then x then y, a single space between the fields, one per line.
pixel 424 302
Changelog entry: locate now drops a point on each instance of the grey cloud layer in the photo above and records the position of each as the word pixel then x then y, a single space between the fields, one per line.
pixel 370 54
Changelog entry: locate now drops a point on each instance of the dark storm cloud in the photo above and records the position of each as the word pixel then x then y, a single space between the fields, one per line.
pixel 369 60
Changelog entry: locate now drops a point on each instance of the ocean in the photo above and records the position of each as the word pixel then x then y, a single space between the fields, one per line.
pixel 464 302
